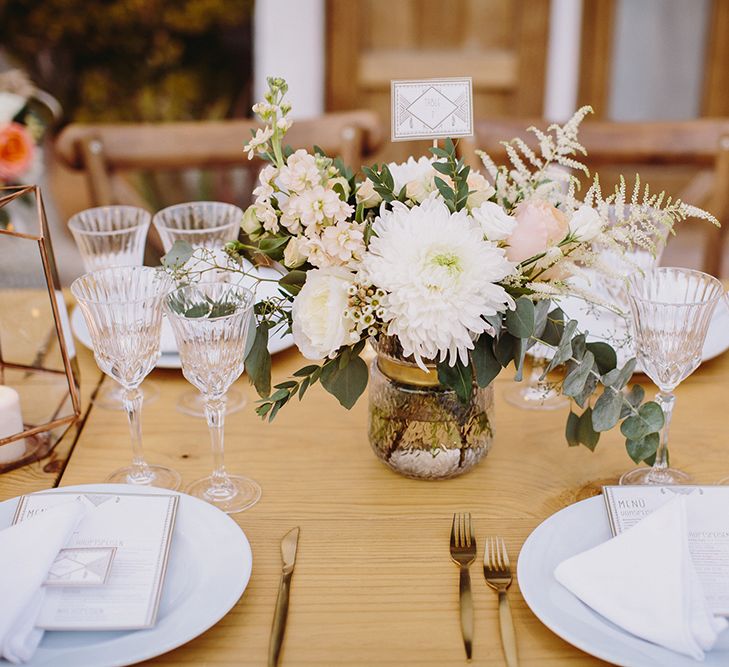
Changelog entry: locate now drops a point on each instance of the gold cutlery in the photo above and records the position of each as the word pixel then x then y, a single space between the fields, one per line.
pixel 497 571
pixel 463 553
pixel 288 556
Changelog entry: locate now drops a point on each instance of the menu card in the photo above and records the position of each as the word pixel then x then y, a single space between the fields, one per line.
pixel 128 534
pixel 708 528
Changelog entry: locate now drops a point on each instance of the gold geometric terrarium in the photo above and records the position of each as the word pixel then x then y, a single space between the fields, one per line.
pixel 39 383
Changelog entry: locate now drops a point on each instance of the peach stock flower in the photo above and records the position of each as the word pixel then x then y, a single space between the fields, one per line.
pixel 16 151
pixel 539 226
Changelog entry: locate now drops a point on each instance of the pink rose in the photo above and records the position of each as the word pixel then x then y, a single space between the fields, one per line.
pixel 539 226
pixel 16 151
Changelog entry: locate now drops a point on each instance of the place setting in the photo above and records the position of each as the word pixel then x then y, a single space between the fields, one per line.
pixel 424 297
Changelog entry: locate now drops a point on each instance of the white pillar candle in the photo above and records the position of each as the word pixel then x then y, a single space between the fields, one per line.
pixel 11 423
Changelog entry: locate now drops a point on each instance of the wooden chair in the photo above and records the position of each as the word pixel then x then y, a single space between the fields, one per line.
pixel 106 153
pixel 702 145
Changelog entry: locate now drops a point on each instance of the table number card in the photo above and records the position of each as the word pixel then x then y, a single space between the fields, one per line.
pixel 432 108
pixel 708 528
pixel 123 542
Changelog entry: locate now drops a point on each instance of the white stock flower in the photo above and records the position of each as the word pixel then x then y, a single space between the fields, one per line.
pixel 300 173
pixel 295 253
pixel 267 215
pixel 10 105
pixel 337 245
pixel 319 207
pixel 319 325
pixel 366 194
pixel 585 224
pixel 265 178
pixel 481 190
pixel 440 277
pixel 258 141
pixel 495 224
pixel 283 124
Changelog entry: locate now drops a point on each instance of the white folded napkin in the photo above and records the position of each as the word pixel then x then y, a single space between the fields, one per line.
pixel 27 551
pixel 644 581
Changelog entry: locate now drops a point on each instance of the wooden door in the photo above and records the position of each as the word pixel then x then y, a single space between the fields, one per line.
pixel 500 43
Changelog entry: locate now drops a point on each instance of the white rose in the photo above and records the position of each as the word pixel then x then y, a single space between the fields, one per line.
pixel 585 224
pixel 366 194
pixel 419 189
pixel 294 255
pixel 481 190
pixel 494 222
pixel 319 326
pixel 10 105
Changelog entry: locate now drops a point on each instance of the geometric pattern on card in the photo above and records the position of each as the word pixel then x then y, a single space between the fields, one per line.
pixel 83 566
pixel 432 109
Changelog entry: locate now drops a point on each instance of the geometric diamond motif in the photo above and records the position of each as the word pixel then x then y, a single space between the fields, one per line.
pixel 432 108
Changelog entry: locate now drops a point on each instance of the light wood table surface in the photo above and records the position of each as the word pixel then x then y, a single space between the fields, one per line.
pixel 374 583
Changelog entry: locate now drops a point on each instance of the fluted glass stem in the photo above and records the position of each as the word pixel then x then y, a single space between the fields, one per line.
pixel 666 400
pixel 140 472
pixel 215 414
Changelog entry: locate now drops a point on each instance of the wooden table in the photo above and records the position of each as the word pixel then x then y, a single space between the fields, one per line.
pixel 374 584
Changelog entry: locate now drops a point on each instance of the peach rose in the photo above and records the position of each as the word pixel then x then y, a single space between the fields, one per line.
pixel 16 151
pixel 539 226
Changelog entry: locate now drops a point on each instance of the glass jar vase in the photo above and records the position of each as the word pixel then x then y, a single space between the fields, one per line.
pixel 419 428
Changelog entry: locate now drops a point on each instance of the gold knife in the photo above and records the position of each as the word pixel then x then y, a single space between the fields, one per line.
pixel 288 556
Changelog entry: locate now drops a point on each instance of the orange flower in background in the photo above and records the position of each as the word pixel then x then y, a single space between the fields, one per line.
pixel 16 151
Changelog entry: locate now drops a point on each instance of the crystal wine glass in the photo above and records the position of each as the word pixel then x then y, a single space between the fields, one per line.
pixel 109 236
pixel 122 307
pixel 209 225
pixel 211 322
pixel 671 309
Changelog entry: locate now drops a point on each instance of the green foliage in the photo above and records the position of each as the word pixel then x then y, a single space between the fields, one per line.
pixel 345 377
pixel 258 360
pixel 164 59
pixel 455 195
pixel 457 377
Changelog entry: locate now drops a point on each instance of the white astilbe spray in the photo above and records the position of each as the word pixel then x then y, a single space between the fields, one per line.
pixel 440 277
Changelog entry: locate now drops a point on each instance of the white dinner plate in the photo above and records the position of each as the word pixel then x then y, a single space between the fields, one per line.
pixel 603 324
pixel 209 568
pixel 277 342
pixel 568 532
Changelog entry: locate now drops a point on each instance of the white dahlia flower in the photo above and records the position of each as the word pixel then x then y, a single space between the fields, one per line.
pixel 439 274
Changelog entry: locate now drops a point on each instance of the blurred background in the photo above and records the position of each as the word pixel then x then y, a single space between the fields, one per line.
pixel 141 61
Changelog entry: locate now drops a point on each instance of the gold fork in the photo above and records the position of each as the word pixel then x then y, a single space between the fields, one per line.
pixel 463 553
pixel 497 571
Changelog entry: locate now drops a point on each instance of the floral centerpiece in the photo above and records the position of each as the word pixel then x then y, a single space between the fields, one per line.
pixel 451 273
pixel 21 131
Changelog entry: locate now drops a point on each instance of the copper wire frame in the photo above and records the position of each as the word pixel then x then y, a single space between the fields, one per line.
pixel 70 367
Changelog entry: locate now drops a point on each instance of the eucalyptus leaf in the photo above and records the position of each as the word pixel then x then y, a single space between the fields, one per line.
pixel 579 346
pixel 554 327
pixel 574 383
pixel 570 431
pixel 643 448
pixel 606 412
pixel 649 419
pixel 626 372
pixel 633 399
pixel 485 364
pixel 586 433
pixel 504 349
pixel 520 321
pixel 347 384
pixel 605 356
pixel 541 311
pixel 564 349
